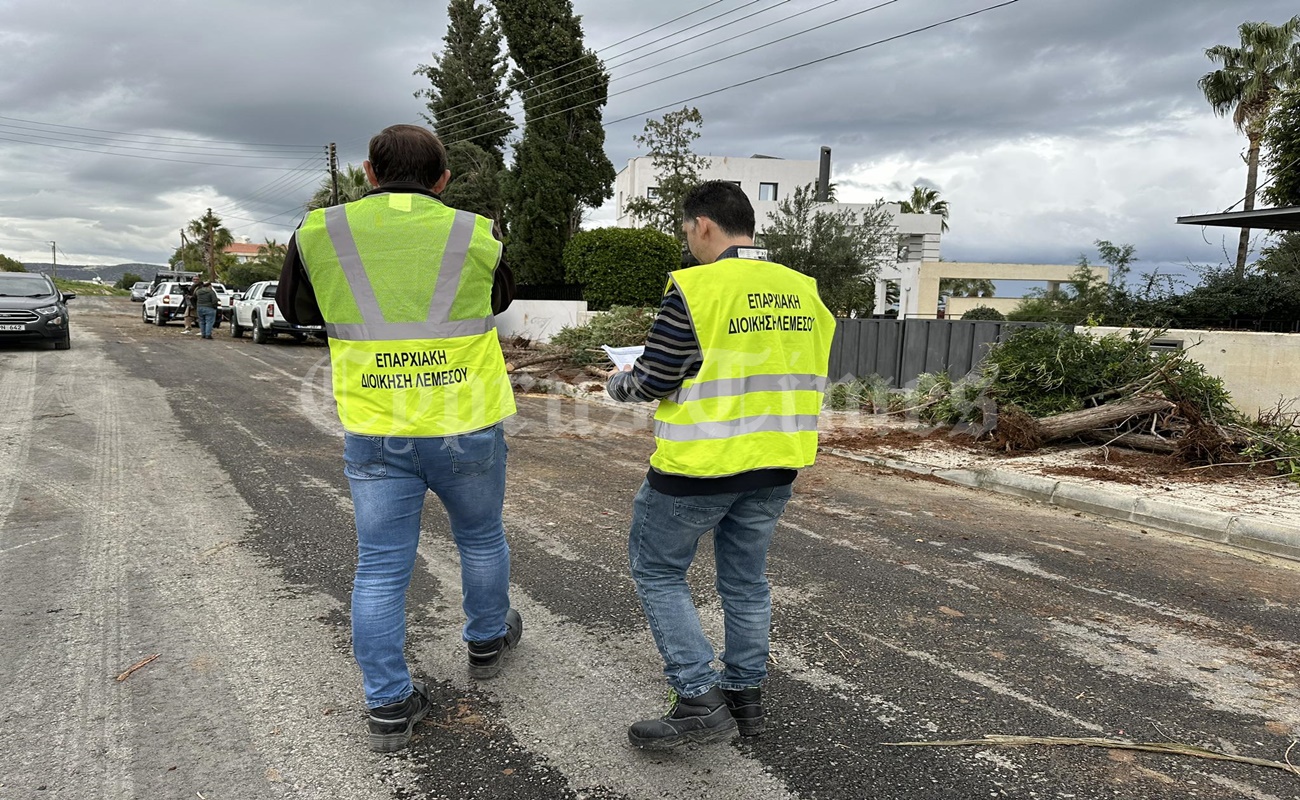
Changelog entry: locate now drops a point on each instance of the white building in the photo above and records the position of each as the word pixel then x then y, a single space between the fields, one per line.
pixel 767 181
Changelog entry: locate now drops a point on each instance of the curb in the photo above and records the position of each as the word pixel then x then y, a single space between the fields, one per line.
pixel 1240 530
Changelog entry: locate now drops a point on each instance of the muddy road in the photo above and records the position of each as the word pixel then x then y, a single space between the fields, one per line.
pixel 162 494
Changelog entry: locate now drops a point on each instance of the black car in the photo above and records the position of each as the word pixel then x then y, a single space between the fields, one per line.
pixel 32 309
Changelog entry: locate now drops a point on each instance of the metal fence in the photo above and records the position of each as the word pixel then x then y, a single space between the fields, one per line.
pixel 898 350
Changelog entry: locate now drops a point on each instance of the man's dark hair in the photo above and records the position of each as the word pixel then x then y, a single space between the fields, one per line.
pixel 408 153
pixel 724 203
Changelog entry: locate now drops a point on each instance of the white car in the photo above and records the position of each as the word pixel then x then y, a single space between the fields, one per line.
pixel 225 302
pixel 139 291
pixel 256 312
pixel 163 303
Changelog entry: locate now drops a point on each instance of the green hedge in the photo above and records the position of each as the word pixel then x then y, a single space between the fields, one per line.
pixel 621 266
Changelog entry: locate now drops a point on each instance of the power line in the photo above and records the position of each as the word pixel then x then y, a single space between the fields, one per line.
pixel 583 74
pixel 769 43
pixel 150 148
pixel 607 47
pixel 146 158
pixel 274 186
pixel 876 43
pixel 749 81
pixel 746 51
pixel 155 136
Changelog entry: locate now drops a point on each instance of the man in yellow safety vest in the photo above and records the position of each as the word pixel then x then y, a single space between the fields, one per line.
pixel 737 359
pixel 407 288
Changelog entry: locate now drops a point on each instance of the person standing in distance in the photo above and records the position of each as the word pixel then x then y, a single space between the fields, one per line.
pixel 737 359
pixel 204 300
pixel 406 289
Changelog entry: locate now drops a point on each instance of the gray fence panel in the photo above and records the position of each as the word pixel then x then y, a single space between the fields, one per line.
pixel 900 350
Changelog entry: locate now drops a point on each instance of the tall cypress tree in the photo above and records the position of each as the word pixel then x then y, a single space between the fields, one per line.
pixel 560 166
pixel 466 104
pixel 467 100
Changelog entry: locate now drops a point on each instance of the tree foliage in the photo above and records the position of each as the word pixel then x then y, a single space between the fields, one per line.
pixel 668 142
pixel 467 106
pixel 128 280
pixel 621 266
pixel 265 267
pixel 467 98
pixel 8 264
pixel 983 313
pixel 560 166
pixel 475 180
pixel 841 251
pixel 353 185
pixel 1282 150
pixel 925 200
pixel 620 326
pixel 1087 299
pixel 1246 85
pixel 202 251
pixel 1281 256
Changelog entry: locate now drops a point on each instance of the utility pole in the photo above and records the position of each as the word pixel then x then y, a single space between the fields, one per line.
pixel 334 174
pixel 54 259
pixel 212 229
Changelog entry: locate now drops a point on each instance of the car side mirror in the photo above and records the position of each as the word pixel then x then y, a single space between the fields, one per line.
pixel 68 296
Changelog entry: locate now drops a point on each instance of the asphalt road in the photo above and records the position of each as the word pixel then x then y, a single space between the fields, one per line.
pixel 161 494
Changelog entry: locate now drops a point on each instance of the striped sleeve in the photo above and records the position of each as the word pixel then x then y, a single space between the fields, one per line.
pixel 672 354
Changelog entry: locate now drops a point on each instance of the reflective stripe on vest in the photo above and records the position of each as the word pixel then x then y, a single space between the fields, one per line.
pixel 439 324
pixel 755 401
pixel 424 373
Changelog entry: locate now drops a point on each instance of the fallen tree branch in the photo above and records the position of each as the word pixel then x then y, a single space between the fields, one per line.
pixel 1073 423
pixel 1137 441
pixel 137 665
pixel 1168 748
pixel 528 362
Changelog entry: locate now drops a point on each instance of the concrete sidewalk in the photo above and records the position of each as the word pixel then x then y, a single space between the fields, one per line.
pixel 1248 531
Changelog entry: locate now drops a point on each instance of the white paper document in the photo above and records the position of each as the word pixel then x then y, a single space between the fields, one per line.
pixel 623 356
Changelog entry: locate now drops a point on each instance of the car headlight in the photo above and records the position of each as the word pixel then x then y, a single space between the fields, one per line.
pixel 48 311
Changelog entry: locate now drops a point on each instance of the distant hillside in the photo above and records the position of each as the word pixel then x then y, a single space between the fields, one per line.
pixel 106 274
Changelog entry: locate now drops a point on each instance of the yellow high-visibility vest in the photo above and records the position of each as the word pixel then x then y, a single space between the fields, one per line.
pixel 765 338
pixel 405 286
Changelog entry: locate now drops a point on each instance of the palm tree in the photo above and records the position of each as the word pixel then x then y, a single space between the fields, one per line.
pixel 353 185
pixel 1250 79
pixel 209 239
pixel 925 200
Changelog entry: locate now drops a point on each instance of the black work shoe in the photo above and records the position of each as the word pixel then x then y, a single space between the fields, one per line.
pixel 699 720
pixel 747 707
pixel 391 725
pixel 485 657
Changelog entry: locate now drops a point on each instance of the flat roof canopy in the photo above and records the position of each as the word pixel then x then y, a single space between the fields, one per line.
pixel 1275 219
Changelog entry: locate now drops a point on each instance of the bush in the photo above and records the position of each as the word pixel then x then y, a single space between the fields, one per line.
pixel 245 275
pixel 8 264
pixel 870 394
pixel 128 280
pixel 621 266
pixel 984 312
pixel 621 326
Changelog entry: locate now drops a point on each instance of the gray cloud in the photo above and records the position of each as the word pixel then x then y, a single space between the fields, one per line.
pixel 1046 124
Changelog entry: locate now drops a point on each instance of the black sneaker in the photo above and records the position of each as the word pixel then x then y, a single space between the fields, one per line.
pixel 485 657
pixel 699 720
pixel 747 707
pixel 391 725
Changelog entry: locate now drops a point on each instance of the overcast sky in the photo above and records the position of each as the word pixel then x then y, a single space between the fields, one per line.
pixel 1046 124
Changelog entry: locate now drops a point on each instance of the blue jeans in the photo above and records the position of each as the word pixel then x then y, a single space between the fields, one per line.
pixel 207 317
pixel 389 477
pixel 665 533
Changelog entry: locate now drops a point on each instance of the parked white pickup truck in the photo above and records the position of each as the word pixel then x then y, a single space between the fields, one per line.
pixel 256 312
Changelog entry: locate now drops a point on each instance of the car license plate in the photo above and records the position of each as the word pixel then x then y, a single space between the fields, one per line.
pixel 13 327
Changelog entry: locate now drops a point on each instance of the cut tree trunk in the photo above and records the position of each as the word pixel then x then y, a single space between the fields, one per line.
pixel 1075 423
pixel 1135 441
